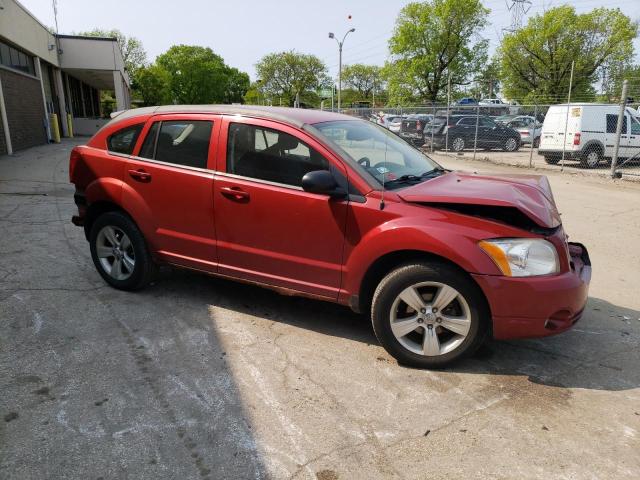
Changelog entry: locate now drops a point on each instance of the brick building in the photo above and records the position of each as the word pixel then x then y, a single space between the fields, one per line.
pixel 42 73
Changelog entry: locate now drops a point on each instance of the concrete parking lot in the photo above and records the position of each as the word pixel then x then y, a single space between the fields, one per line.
pixel 198 377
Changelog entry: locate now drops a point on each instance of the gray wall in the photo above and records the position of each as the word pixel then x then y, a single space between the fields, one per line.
pixel 3 143
pixel 25 110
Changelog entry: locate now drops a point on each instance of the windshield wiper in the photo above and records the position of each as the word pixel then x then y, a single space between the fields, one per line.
pixel 433 173
pixel 405 179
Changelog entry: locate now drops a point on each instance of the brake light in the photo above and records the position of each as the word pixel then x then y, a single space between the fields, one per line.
pixel 73 161
pixel 576 139
pixel 418 125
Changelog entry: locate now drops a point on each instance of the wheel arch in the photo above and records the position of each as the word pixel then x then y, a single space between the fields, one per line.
pixel 98 208
pixel 591 144
pixel 384 264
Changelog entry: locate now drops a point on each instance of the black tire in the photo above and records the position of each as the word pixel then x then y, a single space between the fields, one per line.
pixel 591 157
pixel 510 146
pixel 536 142
pixel 405 276
pixel 551 159
pixel 144 267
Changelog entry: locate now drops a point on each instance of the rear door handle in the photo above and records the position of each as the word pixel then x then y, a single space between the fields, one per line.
pixel 234 193
pixel 140 175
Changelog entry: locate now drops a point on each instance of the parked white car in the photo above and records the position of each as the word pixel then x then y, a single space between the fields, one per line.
pixel 590 133
pixel 491 102
pixel 396 124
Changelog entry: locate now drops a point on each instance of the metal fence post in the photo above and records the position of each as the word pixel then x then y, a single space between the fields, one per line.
pixel 533 139
pixel 475 137
pixel 566 123
pixel 616 147
pixel 433 124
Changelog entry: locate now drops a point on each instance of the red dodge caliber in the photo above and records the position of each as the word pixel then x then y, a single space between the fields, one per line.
pixel 325 205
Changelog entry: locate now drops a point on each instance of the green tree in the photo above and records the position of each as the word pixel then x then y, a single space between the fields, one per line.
pixel 613 74
pixel 431 42
pixel 237 86
pixel 198 75
pixel 487 83
pixel 536 60
pixel 362 78
pixel 133 52
pixel 287 74
pixel 152 84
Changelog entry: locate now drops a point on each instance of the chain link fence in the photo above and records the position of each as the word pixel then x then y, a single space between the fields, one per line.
pixel 566 136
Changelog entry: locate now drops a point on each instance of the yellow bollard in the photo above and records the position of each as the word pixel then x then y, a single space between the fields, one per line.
pixel 55 128
pixel 70 125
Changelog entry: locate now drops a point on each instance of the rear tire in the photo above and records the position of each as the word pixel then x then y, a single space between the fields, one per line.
pixel 591 157
pixel 457 144
pixel 511 144
pixel 449 314
pixel 120 252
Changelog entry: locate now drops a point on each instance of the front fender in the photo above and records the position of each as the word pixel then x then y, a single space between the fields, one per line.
pixel 443 235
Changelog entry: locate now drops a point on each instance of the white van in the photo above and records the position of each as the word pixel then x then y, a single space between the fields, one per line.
pixel 591 132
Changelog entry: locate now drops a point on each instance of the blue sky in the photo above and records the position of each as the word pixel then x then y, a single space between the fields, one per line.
pixel 243 31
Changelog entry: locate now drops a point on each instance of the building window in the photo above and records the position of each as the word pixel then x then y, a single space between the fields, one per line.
pixel 17 59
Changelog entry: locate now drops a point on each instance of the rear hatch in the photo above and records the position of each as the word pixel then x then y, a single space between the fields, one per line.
pixel 435 126
pixel 553 130
pixel 412 127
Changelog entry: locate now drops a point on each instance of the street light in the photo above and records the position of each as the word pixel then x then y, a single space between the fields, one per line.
pixel 340 43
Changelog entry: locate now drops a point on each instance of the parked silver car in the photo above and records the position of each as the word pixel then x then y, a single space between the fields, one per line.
pixel 529 129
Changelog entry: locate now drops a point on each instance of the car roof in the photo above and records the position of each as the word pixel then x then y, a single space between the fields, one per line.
pixel 294 116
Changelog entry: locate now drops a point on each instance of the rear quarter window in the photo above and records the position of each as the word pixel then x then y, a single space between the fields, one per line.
pixel 124 140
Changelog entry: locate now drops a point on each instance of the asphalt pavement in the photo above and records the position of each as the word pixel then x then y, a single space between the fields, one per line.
pixel 203 378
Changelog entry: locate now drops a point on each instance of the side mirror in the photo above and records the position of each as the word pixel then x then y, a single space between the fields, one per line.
pixel 322 182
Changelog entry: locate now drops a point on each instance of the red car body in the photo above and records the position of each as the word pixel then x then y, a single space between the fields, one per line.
pixel 334 249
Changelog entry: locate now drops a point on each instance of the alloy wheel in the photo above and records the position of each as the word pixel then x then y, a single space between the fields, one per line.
pixel 510 145
pixel 458 144
pixel 115 252
pixel 430 318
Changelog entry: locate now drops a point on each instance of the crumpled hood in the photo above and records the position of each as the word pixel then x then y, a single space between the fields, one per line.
pixel 531 194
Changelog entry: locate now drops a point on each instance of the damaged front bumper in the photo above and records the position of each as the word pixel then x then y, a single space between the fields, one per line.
pixel 528 307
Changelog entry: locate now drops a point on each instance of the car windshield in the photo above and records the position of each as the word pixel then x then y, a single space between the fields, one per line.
pixel 386 157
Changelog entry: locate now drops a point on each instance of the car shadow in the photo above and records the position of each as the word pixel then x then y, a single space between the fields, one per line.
pixel 601 352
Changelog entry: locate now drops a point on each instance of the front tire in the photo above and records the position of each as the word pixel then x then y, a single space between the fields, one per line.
pixel 120 252
pixel 428 315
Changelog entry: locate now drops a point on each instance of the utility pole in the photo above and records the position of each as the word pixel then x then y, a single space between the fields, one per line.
pixel 340 43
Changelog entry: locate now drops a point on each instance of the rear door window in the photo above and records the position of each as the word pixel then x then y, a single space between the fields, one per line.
pixel 469 122
pixel 180 142
pixel 124 140
pixel 485 122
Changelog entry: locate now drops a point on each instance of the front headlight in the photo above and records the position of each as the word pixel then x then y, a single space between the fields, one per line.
pixel 522 257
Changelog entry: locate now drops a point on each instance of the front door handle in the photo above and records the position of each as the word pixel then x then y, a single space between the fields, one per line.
pixel 235 193
pixel 140 175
